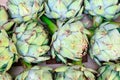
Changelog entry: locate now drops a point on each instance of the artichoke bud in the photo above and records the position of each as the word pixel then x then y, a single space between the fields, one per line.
pixel 109 71
pixel 25 10
pixel 4 20
pixel 106 40
pixel 70 41
pixel 74 73
pixel 63 9
pixel 4 16
pixel 36 73
pixel 107 9
pixel 32 40
pixel 8 52
pixel 5 76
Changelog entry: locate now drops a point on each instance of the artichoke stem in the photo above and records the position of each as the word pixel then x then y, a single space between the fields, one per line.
pixel 91 33
pixel 51 26
pixel 26 65
pixel 97 20
pixel 117 23
pixel 78 62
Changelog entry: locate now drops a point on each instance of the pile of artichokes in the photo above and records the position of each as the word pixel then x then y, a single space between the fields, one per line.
pixel 35 31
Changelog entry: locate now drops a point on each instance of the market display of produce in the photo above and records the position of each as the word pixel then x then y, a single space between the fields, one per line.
pixel 36 33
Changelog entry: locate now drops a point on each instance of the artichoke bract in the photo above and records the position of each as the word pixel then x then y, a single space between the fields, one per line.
pixel 104 8
pixel 105 43
pixel 5 23
pixel 70 41
pixel 36 73
pixel 31 40
pixel 74 73
pixel 8 52
pixel 5 76
pixel 24 10
pixel 109 71
pixel 63 9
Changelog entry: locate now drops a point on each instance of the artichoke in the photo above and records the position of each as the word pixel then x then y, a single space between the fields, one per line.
pixel 109 71
pixel 105 43
pixel 5 76
pixel 63 9
pixel 24 10
pixel 4 20
pixel 8 52
pixel 74 73
pixel 70 41
pixel 36 73
pixel 31 40
pixel 104 8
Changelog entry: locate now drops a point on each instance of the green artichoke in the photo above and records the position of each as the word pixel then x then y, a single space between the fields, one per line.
pixel 74 73
pixel 24 10
pixel 4 20
pixel 104 8
pixel 70 41
pixel 63 9
pixel 109 71
pixel 31 40
pixel 8 52
pixel 5 76
pixel 36 73
pixel 105 43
